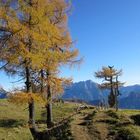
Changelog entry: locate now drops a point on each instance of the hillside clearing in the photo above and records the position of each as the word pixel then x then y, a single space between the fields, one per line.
pixel 87 124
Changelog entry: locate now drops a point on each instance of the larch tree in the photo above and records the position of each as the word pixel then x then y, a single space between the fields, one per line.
pixel 66 55
pixel 34 40
pixel 62 53
pixel 110 76
pixel 23 34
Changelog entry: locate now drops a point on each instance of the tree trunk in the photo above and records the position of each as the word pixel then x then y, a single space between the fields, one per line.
pixel 42 82
pixel 49 104
pixel 117 93
pixel 111 97
pixel 116 100
pixel 28 82
pixel 49 99
pixel 31 122
pixel 49 115
pixel 32 116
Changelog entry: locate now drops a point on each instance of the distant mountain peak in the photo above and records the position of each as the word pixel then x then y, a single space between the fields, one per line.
pixel 83 90
pixel 89 91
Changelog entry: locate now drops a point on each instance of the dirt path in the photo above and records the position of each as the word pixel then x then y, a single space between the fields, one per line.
pixel 86 126
pixel 101 126
pixel 79 127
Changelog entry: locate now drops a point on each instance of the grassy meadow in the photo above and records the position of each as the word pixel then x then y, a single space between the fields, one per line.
pixel 14 119
pixel 90 123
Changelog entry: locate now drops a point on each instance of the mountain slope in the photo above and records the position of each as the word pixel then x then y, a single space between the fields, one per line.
pixel 89 91
pixel 132 101
pixel 84 90
pixel 126 91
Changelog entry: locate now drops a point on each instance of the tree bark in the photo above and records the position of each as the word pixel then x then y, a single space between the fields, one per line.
pixel 111 98
pixel 49 99
pixel 29 84
pixel 31 107
pixel 49 104
pixel 31 102
pixel 117 93
pixel 42 82
pixel 116 100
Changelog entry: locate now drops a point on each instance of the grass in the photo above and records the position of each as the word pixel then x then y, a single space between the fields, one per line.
pixel 136 119
pixel 121 125
pixel 125 127
pixel 14 118
pixel 129 132
pixel 129 112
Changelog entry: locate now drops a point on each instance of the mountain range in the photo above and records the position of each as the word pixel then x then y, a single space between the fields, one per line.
pixel 89 91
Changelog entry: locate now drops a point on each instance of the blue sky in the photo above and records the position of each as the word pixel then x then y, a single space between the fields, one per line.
pixel 107 32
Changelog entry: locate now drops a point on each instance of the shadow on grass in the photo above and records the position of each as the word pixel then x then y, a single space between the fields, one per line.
pixel 109 121
pixel 136 119
pixel 90 116
pixel 127 133
pixel 88 119
pixel 11 123
pixel 112 114
pixel 60 131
